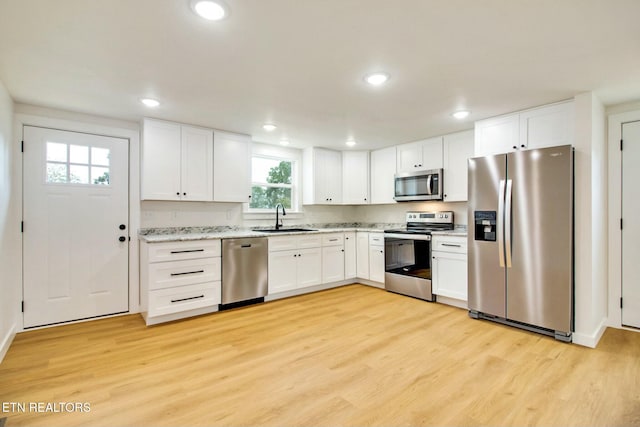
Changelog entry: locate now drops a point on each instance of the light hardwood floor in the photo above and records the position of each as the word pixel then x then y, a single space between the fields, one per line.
pixel 351 356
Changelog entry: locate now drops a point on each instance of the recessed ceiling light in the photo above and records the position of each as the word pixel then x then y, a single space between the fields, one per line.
pixel 284 142
pixel 269 127
pixel 462 114
pixel 376 79
pixel 150 102
pixel 350 143
pixel 210 9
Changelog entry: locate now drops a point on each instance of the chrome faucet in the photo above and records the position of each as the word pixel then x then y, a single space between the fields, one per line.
pixel 279 222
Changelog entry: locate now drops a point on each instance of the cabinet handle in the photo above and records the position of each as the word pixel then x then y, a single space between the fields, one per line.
pixel 334 240
pixel 187 299
pixel 381 252
pixel 449 244
pixel 522 146
pixel 515 147
pixel 342 250
pixel 178 193
pixel 187 251
pixel 184 194
pixel 188 272
pixel 299 255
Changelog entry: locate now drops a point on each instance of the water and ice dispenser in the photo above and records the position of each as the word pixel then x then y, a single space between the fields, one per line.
pixel 485 225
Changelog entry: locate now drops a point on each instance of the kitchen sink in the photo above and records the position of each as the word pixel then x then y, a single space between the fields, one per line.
pixel 284 230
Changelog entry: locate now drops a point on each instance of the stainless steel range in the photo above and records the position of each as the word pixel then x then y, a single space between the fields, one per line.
pixel 408 253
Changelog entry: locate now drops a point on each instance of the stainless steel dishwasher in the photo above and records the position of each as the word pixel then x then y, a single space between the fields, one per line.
pixel 244 271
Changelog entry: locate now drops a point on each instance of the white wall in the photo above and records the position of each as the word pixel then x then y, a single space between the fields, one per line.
pixel 394 213
pixel 10 243
pixel 590 221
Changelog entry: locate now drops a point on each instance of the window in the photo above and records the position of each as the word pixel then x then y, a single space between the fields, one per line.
pixel 271 183
pixel 77 164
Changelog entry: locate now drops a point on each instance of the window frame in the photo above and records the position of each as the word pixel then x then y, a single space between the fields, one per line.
pixel 271 152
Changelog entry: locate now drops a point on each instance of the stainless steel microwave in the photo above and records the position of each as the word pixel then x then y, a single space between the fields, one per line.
pixel 421 185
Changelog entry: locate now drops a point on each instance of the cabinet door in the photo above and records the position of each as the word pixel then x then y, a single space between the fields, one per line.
pixel 497 135
pixel 458 148
pixel 376 263
pixel 547 126
pixel 449 273
pixel 197 164
pixel 362 255
pixel 332 264
pixel 309 267
pixel 431 154
pixel 383 169
pixel 409 157
pixel 231 167
pixel 282 271
pixel 355 177
pixel 328 176
pixel 350 255
pixel 160 160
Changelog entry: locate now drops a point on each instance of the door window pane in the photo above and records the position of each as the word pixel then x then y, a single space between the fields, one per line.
pixel 99 175
pixel 79 174
pixel 79 154
pixel 100 156
pixel 56 172
pixel 56 152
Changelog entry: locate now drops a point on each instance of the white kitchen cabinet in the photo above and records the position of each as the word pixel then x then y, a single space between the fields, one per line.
pixel 383 169
pixel 294 262
pixel 333 259
pixel 179 279
pixel 177 162
pixel 362 255
pixel 419 155
pixel 449 267
pixel 545 126
pixel 457 149
pixel 376 257
pixel 231 167
pixel 350 255
pixel 355 177
pixel 322 176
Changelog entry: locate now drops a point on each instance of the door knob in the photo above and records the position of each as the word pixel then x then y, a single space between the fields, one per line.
pixel 122 238
pixel 122 227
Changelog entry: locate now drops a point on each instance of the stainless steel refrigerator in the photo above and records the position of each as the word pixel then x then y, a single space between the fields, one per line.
pixel 521 248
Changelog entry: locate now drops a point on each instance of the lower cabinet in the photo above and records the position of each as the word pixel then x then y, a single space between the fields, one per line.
pixel 350 255
pixel 179 279
pixel 333 261
pixel 294 262
pixel 449 267
pixel 362 255
pixel 376 257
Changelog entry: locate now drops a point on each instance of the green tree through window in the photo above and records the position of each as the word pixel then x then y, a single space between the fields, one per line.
pixel 276 187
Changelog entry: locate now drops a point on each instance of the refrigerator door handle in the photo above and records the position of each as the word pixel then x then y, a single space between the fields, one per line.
pixel 429 184
pixel 507 222
pixel 500 223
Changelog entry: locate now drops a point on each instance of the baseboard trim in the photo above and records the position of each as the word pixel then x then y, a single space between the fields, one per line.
pixel 6 342
pixel 591 340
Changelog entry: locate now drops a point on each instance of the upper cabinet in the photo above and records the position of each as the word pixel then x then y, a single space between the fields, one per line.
pixel 545 126
pixel 419 155
pixel 355 177
pixel 458 148
pixel 322 176
pixel 383 169
pixel 177 162
pixel 231 167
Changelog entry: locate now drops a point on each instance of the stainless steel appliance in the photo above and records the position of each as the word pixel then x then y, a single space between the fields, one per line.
pixel 422 185
pixel 408 254
pixel 244 271
pixel 521 240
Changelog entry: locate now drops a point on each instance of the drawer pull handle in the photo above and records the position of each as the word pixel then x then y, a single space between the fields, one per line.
pixel 187 251
pixel 188 272
pixel 187 299
pixel 245 246
pixel 333 240
pixel 449 244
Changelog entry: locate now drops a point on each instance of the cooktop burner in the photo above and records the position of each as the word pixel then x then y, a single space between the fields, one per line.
pixel 425 222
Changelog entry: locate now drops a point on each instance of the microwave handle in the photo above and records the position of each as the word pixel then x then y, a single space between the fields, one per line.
pixel 429 191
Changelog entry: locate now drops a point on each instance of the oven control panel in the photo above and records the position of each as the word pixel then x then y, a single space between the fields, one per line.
pixel 445 217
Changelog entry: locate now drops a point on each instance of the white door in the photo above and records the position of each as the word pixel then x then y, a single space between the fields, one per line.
pixel 75 215
pixel 631 225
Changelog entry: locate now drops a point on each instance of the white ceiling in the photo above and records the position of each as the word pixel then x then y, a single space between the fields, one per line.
pixel 300 63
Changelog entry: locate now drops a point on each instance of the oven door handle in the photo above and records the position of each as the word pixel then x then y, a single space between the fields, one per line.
pixel 399 236
pixel 429 183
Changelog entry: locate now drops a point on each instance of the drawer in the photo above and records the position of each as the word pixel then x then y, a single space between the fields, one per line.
pixel 333 239
pixel 181 273
pixel 450 244
pixel 175 251
pixel 376 239
pixel 183 298
pixel 309 241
